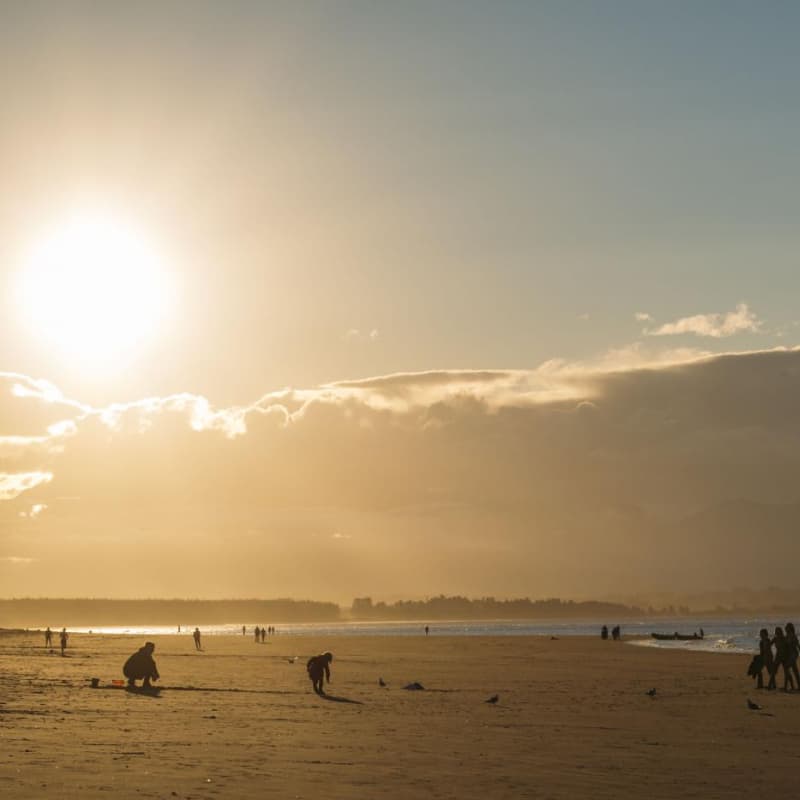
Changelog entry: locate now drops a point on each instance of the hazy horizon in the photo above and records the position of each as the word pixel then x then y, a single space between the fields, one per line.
pixel 358 299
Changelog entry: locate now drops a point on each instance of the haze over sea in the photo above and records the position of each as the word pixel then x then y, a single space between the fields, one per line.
pixel 721 635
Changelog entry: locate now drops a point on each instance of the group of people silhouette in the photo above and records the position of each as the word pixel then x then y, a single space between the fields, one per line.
pixel 616 633
pixel 63 638
pixel 261 633
pixel 785 655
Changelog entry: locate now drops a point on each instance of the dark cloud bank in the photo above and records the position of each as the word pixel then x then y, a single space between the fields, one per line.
pixel 572 483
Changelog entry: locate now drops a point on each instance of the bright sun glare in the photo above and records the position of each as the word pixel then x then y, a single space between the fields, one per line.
pixel 94 289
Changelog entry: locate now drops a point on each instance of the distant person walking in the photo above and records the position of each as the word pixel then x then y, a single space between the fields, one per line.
pixel 427 630
pixel 141 666
pixel 604 632
pixel 196 637
pixel 244 631
pixel 258 634
pixel 64 636
pixel 263 634
pixel 319 667
pixel 616 633
pixel 48 637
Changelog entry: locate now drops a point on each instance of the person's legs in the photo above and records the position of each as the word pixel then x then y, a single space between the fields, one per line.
pixel 788 680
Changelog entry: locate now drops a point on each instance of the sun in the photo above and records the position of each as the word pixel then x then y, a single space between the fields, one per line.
pixel 94 288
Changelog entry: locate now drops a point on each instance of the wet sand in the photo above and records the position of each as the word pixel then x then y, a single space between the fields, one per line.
pixel 238 720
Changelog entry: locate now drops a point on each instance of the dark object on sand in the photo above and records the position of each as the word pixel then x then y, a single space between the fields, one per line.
pixel 95 682
pixel 493 699
pixel 381 682
pixel 756 665
pixel 753 706
pixel 651 692
pixel 414 687
pixel 678 637
pixel 319 667
pixel 141 665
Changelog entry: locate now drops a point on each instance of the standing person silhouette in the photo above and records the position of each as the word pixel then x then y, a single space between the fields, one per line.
pixel 258 634
pixel 263 635
pixel 427 630
pixel 793 647
pixel 319 667
pixel 196 637
pixel 48 637
pixel 782 659
pixel 63 639
pixel 766 662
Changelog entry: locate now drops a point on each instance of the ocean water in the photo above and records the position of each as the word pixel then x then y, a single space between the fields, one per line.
pixel 721 635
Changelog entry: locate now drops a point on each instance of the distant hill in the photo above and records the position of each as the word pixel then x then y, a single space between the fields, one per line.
pixel 39 612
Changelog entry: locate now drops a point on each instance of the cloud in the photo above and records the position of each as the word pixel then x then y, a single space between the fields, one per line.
pixel 17 560
pixel 539 475
pixel 716 325
pixel 356 334
pixel 35 510
pixel 14 484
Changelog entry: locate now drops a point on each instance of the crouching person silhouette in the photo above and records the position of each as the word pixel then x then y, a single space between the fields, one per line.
pixel 141 666
pixel 319 667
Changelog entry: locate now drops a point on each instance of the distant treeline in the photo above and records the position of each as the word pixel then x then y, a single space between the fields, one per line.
pixel 86 612
pixel 490 608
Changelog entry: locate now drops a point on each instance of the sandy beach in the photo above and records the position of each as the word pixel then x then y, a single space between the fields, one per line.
pixel 239 720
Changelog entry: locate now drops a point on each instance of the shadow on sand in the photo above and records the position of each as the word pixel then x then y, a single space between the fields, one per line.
pixel 155 690
pixel 143 691
pixel 334 699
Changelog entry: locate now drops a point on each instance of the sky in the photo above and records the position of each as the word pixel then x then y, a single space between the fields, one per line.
pixel 335 299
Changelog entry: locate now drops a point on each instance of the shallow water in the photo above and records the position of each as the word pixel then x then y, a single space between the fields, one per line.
pixel 721 635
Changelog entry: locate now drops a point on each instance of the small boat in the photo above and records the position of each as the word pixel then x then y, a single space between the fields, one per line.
pixel 677 637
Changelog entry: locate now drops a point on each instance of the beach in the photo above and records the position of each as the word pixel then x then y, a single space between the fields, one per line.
pixel 239 720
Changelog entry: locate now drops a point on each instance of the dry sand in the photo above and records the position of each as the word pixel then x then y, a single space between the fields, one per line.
pixel 573 721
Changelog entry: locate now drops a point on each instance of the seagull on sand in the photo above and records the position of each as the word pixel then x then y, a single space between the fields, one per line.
pixel 753 706
pixel 651 693
pixel 382 682
pixel 493 699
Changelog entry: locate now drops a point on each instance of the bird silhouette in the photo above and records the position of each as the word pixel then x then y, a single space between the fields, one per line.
pixel 753 706
pixel 382 682
pixel 651 693
pixel 493 699
pixel 291 660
